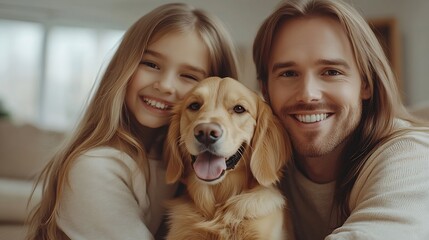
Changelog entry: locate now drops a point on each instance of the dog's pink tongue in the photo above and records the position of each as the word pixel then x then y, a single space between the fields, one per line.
pixel 208 166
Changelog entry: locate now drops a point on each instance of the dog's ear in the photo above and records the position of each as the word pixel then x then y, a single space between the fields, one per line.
pixel 172 153
pixel 271 147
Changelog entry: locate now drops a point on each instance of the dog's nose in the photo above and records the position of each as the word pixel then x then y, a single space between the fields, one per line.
pixel 207 133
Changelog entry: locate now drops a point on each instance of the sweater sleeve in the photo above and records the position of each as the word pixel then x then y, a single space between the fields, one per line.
pixel 104 199
pixel 390 199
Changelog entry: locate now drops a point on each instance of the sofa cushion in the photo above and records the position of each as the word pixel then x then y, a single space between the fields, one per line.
pixel 14 200
pixel 421 111
pixel 25 149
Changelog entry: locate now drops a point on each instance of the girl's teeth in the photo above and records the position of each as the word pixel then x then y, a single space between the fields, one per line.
pixel 312 118
pixel 156 104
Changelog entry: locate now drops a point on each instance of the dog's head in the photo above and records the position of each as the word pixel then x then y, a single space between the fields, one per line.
pixel 216 126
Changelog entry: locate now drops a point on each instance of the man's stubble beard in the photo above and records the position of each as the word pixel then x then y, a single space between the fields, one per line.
pixel 340 136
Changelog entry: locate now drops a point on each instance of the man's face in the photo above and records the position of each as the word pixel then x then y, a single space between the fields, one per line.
pixel 314 86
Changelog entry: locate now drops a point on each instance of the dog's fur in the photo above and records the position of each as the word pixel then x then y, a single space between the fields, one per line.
pixel 223 117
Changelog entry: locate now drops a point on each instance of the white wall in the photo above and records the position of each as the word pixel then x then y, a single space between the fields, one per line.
pixel 243 18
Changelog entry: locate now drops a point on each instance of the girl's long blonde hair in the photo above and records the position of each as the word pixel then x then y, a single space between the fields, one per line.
pixel 106 120
pixel 378 113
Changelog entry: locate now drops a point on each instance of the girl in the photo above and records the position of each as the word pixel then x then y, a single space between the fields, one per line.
pixel 108 181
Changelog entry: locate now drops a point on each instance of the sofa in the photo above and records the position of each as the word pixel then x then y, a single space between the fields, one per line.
pixel 420 110
pixel 24 150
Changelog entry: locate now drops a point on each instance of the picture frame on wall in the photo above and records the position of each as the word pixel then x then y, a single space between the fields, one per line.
pixel 387 32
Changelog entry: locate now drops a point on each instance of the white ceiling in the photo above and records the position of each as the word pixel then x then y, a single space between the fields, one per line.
pixel 92 12
pixel 242 17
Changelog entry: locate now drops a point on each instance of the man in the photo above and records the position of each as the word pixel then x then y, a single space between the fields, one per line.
pixel 361 165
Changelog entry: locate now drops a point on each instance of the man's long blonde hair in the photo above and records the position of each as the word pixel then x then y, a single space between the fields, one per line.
pixel 106 120
pixel 378 113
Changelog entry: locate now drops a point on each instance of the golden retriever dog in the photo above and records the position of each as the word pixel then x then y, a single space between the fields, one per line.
pixel 227 147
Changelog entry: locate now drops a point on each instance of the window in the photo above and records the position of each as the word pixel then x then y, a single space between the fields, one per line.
pixel 74 58
pixel 47 74
pixel 20 68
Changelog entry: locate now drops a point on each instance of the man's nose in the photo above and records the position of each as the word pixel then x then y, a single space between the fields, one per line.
pixel 309 89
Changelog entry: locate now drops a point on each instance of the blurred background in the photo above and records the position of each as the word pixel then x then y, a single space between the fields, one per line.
pixel 53 51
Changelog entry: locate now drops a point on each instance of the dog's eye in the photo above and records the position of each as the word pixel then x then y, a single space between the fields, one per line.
pixel 194 106
pixel 239 109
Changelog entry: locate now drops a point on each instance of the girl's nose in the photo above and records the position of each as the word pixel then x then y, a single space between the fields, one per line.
pixel 166 83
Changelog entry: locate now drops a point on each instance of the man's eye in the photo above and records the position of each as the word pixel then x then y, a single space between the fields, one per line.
pixel 150 64
pixel 331 72
pixel 289 74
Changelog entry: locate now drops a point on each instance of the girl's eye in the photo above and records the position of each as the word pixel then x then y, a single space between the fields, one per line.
pixel 331 72
pixel 195 106
pixel 150 64
pixel 191 77
pixel 289 74
pixel 239 109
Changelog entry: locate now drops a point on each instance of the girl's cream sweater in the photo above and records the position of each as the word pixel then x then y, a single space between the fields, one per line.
pixel 109 198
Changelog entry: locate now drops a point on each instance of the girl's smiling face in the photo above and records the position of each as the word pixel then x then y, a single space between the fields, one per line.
pixel 170 67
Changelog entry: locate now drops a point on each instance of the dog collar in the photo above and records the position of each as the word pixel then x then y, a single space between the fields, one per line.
pixel 233 160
